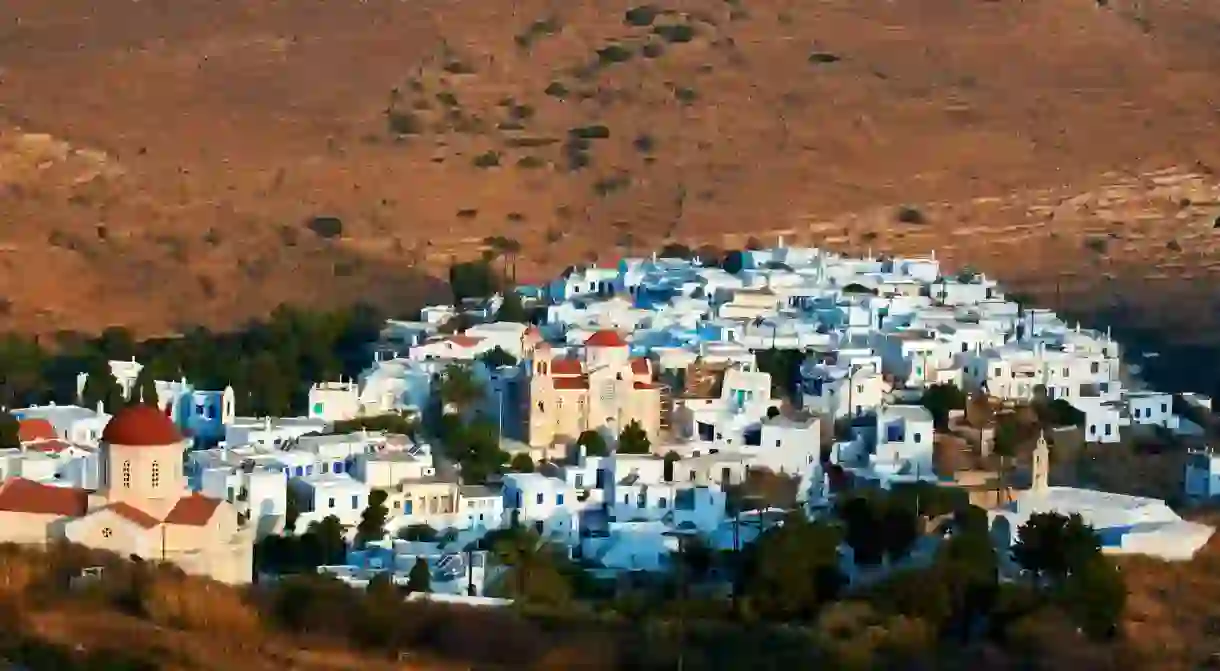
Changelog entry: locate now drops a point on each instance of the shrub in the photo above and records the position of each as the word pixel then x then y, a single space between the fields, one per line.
pixel 488 159
pixel 1173 246
pixel 556 90
pixel 1098 245
pixel 910 215
pixel 676 33
pixel 326 226
pixel 174 600
pixel 447 98
pixel 531 162
pixel 458 68
pixel 612 184
pixel 527 142
pixel 615 53
pixel 686 95
pixel 595 132
pixel 823 57
pixel 653 50
pixel 641 16
pixel 644 143
pixel 403 123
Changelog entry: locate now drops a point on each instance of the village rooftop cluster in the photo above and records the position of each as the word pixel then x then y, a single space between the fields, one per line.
pixel 634 412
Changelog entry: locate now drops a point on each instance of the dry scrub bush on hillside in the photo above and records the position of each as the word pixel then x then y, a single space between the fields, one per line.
pixel 175 600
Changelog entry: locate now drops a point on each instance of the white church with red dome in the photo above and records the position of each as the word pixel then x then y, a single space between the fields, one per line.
pixel 142 506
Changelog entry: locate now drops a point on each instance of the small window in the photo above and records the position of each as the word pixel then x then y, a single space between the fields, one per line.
pixel 559 499
pixel 778 443
pixel 580 481
pixel 338 467
pixel 1108 429
pixel 309 470
pixel 538 526
pixel 300 471
pixel 406 507
pixel 1093 429
pixel 156 475
pixel 330 503
pixel 662 503
pixel 1164 407
pixel 325 467
pixel 918 438
pixel 539 498
pixel 1095 367
pixel 1067 373
pixel 127 474
pixel 355 502
pixel 317 408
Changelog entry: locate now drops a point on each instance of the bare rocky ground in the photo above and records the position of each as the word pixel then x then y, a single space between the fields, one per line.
pixel 159 162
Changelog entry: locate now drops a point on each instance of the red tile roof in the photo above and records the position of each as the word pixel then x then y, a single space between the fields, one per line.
pixel 18 495
pixel 133 514
pixel 641 366
pixel 567 367
pixel 465 340
pixel 606 338
pixel 193 510
pixel 52 446
pixel 30 430
pixel 141 425
pixel 568 383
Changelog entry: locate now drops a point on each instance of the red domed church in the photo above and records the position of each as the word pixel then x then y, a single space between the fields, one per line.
pixel 141 508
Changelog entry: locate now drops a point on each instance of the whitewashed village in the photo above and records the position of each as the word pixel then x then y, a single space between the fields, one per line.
pixel 646 406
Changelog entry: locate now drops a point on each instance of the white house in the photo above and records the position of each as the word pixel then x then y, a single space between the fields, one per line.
pixel 334 401
pixel 320 496
pixel 547 503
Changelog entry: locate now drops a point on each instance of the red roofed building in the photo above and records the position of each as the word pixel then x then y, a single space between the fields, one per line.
pixel 31 430
pixel 604 391
pixel 142 506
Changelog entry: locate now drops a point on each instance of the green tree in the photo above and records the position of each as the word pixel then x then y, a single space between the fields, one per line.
pixel 1095 595
pixel 594 443
pixel 1007 439
pixel 459 389
pixel 863 522
pixel 671 458
pixel 790 571
pixel 292 511
pixel 734 262
pixel 323 543
pixel 145 388
pixel 633 440
pixel 939 399
pixel 10 430
pixel 521 463
pixel 420 577
pixel 1051 546
pixel 512 309
pixel 418 532
pixel 373 519
pixel 497 357
pixel 476 449
pixel 101 387
pixel 537 571
pixel 472 279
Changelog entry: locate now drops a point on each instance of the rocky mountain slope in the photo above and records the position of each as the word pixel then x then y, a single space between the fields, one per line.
pixel 161 162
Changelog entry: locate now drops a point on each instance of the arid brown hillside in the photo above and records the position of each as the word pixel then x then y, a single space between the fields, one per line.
pixel 160 159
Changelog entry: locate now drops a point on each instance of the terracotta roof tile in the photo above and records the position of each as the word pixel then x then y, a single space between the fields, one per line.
pixel 193 510
pixel 133 514
pixel 569 383
pixel 18 495
pixel 567 367
pixel 30 430
pixel 464 340
pixel 606 338
pixel 51 446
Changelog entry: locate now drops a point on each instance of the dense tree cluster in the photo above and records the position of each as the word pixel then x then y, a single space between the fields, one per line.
pixel 267 363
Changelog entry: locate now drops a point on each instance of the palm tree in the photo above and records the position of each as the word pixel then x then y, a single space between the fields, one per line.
pixel 458 388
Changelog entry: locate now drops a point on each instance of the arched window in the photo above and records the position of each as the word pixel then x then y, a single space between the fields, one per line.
pixel 156 475
pixel 127 474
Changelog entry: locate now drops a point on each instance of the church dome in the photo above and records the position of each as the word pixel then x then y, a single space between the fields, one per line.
pixel 606 338
pixel 141 426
